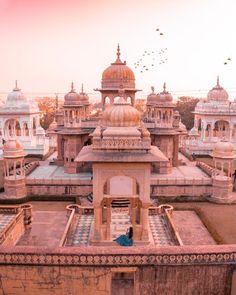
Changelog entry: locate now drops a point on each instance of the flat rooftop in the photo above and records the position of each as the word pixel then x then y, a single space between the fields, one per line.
pixel 49 223
pixel 54 172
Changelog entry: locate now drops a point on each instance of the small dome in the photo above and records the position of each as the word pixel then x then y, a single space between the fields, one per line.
pixel 151 98
pixel 164 96
pixel 72 98
pixel 84 99
pixel 121 114
pixel 223 149
pixel 40 131
pixel 217 93
pixel 15 97
pixel 118 74
pixel 13 149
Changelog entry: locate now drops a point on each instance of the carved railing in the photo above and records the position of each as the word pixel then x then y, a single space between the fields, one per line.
pixel 72 210
pixel 166 210
pixel 119 256
pixel 22 213
pixel 180 181
pixel 207 169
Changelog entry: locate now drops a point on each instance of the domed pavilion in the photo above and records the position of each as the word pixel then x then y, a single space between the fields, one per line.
pixel 118 75
pixel 122 159
pixel 20 118
pixel 214 119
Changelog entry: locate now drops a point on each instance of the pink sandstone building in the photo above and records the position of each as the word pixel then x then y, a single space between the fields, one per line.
pixel 61 216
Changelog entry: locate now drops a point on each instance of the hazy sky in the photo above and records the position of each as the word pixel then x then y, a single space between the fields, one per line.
pixel 46 44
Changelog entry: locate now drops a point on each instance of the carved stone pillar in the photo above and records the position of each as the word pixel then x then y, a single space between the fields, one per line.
pixel 145 221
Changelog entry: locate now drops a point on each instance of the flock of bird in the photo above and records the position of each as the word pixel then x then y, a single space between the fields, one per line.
pixel 152 58
pixel 227 61
pixel 149 59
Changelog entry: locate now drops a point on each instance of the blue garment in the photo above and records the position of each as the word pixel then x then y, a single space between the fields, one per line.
pixel 123 240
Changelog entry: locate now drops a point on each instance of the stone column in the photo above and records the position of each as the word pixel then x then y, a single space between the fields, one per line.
pixel 97 222
pixel 145 221
pixel 109 219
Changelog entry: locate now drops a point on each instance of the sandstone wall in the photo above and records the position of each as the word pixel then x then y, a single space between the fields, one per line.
pixel 166 270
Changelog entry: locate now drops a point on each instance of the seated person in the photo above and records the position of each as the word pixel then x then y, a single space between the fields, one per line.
pixel 126 240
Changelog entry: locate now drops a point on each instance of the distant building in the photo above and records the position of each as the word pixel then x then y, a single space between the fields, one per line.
pixel 20 118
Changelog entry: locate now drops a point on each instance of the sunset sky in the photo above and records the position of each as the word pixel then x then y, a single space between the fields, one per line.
pixel 46 44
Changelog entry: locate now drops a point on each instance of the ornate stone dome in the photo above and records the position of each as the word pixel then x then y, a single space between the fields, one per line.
pixel 223 149
pixel 13 149
pixel 72 97
pixel 121 114
pixel 84 98
pixel 151 98
pixel 164 96
pixel 15 97
pixel 118 74
pixel 217 93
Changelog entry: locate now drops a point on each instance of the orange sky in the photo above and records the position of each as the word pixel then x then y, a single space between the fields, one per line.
pixel 47 43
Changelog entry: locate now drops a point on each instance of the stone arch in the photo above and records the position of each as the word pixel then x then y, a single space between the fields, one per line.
pixel 221 129
pixel 120 185
pixel 129 100
pixel 12 128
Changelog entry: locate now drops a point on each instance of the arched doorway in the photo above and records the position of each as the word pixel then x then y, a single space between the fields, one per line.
pixel 221 129
pixel 120 207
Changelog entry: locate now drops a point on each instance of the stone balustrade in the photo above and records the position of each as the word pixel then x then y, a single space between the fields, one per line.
pixel 119 256
pixel 165 181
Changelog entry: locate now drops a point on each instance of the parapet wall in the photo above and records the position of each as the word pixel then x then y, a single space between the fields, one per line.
pixel 160 270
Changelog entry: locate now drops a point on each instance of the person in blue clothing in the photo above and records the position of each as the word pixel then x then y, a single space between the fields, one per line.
pixel 127 239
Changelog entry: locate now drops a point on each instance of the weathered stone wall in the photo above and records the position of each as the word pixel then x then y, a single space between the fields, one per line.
pixel 59 190
pixel 15 231
pixel 160 270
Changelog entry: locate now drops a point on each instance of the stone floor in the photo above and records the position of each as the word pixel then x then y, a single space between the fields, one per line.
pixel 191 229
pixel 82 230
pixel 46 171
pixel 49 221
pixel 160 232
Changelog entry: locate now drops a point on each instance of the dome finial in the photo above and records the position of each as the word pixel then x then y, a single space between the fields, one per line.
pixel 153 89
pixel 16 86
pixel 164 87
pixel 82 88
pixel 72 87
pixel 118 54
pixel 118 50
pixel 218 81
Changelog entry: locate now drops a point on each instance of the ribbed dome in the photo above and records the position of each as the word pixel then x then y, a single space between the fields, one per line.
pixel 13 149
pixel 151 98
pixel 223 149
pixel 217 93
pixel 118 74
pixel 121 114
pixel 84 98
pixel 164 96
pixel 72 98
pixel 15 97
